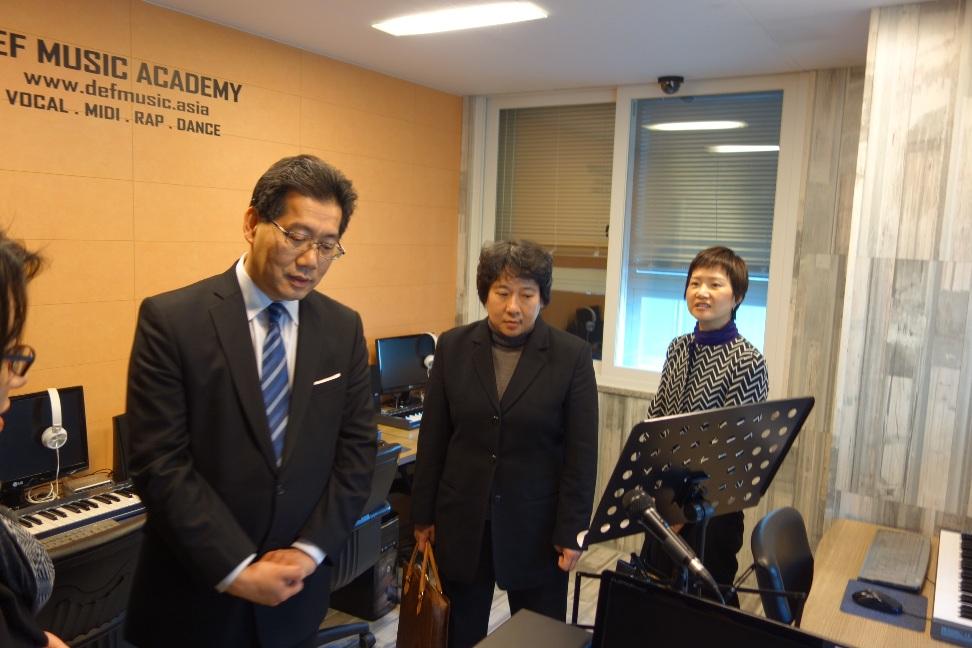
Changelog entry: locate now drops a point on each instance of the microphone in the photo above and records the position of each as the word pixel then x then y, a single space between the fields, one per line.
pixel 640 507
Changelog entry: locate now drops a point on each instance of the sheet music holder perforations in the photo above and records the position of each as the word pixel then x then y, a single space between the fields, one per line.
pixel 730 455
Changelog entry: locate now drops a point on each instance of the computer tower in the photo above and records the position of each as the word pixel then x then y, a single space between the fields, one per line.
pixel 372 595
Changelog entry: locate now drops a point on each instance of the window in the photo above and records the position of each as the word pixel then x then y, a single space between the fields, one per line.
pixel 669 197
pixel 553 186
pixel 703 173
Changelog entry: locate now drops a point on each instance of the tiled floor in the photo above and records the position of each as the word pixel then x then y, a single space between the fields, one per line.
pixel 595 561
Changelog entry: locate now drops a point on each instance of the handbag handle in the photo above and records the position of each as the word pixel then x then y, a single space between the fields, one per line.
pixel 428 576
pixel 408 571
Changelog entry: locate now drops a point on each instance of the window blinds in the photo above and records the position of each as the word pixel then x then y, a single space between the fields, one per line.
pixel 686 197
pixel 554 176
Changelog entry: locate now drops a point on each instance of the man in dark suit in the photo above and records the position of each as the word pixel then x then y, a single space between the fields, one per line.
pixel 252 432
pixel 507 454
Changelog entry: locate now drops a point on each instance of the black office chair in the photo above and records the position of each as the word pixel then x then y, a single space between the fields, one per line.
pixel 364 547
pixel 783 561
pixel 92 580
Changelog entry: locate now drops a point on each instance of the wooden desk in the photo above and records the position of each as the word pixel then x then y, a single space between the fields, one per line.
pixel 407 438
pixel 838 559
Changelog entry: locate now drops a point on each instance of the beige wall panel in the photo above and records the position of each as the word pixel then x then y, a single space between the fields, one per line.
pixel 375 180
pixel 352 87
pixel 178 40
pixel 96 24
pixel 436 187
pixel 46 206
pixel 438 109
pixel 82 271
pixel 372 223
pixel 80 333
pixel 178 213
pixel 435 146
pixel 261 114
pixel 374 135
pixel 188 159
pixel 395 265
pixel 104 397
pixel 52 142
pixel 319 121
pixel 442 227
pixel 377 223
pixel 162 266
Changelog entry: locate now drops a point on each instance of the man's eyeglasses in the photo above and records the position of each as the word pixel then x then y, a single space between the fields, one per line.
pixel 326 250
pixel 19 360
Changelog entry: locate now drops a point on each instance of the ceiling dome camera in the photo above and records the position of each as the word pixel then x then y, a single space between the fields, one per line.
pixel 670 84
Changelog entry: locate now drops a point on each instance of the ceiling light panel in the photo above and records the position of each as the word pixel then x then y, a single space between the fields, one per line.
pixel 457 18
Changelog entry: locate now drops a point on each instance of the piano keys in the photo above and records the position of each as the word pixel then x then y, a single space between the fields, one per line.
pixel 116 503
pixel 952 613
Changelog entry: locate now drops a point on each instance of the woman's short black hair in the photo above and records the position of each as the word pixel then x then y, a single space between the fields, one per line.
pixel 308 176
pixel 521 259
pixel 17 266
pixel 727 261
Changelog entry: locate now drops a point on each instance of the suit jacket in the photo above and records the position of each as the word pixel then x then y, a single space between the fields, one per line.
pixel 528 462
pixel 203 463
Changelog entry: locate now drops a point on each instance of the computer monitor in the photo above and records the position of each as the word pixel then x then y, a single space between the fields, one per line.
pixel 24 461
pixel 401 363
pixel 632 612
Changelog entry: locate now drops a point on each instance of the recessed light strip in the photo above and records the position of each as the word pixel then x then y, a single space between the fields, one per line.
pixel 696 125
pixel 744 148
pixel 456 18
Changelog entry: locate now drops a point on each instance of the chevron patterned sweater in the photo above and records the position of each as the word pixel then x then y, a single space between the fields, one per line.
pixel 699 377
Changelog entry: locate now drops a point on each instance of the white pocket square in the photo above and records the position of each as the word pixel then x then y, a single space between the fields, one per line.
pixel 328 379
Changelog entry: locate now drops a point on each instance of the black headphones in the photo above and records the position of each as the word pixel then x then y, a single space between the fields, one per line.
pixel 54 437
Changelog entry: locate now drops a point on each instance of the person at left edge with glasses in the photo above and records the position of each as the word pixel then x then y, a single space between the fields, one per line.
pixel 26 572
pixel 252 430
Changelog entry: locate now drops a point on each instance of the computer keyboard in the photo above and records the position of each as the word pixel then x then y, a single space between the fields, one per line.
pixel 897 559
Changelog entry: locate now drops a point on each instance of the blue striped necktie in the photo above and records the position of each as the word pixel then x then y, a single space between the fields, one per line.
pixel 274 382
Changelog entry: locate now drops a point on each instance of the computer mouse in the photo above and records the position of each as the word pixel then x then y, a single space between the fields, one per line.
pixel 878 601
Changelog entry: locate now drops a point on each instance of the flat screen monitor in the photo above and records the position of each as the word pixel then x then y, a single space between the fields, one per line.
pixel 631 612
pixel 24 461
pixel 401 362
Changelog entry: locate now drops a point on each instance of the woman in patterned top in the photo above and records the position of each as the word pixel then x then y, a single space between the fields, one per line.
pixel 712 367
pixel 26 573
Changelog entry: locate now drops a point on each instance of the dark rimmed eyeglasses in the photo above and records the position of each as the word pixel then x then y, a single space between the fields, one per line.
pixel 326 250
pixel 19 359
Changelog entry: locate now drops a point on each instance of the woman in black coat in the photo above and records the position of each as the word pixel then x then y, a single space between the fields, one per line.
pixel 26 573
pixel 507 453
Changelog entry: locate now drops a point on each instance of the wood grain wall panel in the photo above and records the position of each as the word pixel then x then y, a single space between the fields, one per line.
pixel 902 426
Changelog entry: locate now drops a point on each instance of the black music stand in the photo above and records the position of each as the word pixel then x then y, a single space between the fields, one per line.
pixel 700 465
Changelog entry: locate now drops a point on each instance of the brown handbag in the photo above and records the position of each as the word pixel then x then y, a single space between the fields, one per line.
pixel 423 619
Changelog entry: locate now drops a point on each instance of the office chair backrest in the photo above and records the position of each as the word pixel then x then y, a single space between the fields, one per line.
pixel 783 561
pixel 364 545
